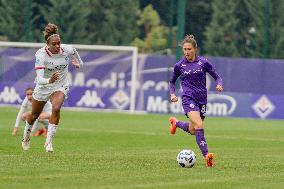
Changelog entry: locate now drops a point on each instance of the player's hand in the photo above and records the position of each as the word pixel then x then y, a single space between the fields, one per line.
pixel 219 88
pixel 55 76
pixel 174 98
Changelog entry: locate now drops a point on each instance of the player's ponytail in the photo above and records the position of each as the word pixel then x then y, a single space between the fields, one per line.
pixel 189 39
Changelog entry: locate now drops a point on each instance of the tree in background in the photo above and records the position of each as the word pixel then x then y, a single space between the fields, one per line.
pixel 266 28
pixel 221 33
pixel 246 29
pixel 71 18
pixel 113 22
pixel 198 16
pixel 153 34
pixel 256 28
pixel 276 31
pixel 16 20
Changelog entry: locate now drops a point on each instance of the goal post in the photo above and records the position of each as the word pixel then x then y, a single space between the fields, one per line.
pixel 128 49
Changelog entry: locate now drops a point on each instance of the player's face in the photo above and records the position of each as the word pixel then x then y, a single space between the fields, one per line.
pixel 54 45
pixel 189 51
pixel 29 94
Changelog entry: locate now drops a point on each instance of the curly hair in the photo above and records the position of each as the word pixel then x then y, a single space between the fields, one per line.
pixel 50 30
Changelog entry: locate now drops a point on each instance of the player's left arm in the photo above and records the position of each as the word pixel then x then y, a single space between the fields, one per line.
pixel 76 59
pixel 211 70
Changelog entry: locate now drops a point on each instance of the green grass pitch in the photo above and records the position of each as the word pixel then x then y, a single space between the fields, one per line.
pixel 121 151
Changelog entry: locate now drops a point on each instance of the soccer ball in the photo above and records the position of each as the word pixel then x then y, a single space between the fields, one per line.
pixel 186 158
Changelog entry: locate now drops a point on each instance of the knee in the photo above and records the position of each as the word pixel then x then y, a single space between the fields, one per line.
pixel 198 124
pixel 56 109
pixel 40 117
pixel 192 131
pixel 23 117
pixel 35 115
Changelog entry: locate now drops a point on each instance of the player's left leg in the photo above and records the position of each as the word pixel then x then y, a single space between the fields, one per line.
pixel 35 128
pixel 197 122
pixel 57 98
pixel 43 118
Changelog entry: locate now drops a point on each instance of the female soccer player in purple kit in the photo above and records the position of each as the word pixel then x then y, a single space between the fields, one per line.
pixel 191 70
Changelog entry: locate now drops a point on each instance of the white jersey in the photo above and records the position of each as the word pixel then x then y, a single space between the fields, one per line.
pixel 54 63
pixel 27 106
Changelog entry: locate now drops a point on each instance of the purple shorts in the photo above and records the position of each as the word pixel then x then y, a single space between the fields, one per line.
pixel 190 105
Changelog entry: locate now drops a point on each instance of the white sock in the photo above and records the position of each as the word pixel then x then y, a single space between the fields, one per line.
pixel 45 123
pixel 50 133
pixel 34 126
pixel 27 132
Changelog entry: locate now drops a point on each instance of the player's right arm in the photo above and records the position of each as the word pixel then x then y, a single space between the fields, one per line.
pixel 21 111
pixel 39 67
pixel 43 81
pixel 176 74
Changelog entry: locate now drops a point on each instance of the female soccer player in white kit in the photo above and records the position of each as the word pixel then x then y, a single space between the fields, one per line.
pixel 25 111
pixel 51 82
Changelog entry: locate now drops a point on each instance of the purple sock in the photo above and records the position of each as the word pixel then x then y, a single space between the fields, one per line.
pixel 200 140
pixel 183 125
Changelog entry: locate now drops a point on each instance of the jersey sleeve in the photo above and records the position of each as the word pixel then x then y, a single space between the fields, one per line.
pixel 23 108
pixel 71 51
pixel 39 62
pixel 68 49
pixel 77 56
pixel 211 70
pixel 176 74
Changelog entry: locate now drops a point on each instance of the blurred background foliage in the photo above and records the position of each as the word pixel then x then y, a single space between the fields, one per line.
pixel 228 28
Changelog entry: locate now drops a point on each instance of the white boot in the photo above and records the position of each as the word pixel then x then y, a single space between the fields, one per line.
pixel 26 145
pixel 26 137
pixel 50 134
pixel 48 147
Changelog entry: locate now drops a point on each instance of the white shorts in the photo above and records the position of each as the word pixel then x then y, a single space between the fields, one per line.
pixel 42 93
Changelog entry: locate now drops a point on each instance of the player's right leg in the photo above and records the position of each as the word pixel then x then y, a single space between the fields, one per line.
pixel 37 107
pixel 185 126
pixel 173 126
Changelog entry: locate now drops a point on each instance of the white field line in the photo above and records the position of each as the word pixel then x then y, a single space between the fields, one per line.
pixel 164 134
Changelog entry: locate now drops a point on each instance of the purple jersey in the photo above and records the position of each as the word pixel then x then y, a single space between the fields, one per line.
pixel 193 78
